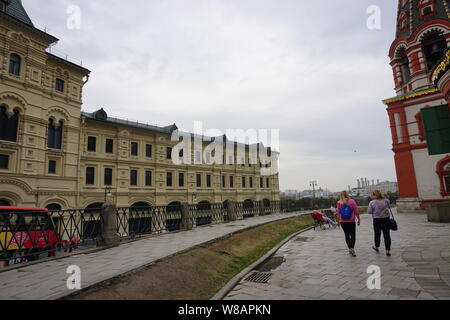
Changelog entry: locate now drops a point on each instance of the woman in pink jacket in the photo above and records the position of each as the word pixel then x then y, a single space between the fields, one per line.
pixel 348 213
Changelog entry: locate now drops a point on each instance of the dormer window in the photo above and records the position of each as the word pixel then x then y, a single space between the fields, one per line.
pixel 3 4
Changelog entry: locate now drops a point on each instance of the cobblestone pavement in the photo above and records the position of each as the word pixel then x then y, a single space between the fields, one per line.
pixel 47 280
pixel 317 265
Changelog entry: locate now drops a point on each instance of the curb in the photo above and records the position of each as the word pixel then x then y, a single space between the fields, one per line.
pixel 233 282
pixel 143 267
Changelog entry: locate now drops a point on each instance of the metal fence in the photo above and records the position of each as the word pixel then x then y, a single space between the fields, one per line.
pixel 28 237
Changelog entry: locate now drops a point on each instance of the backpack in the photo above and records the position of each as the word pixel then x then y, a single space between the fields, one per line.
pixel 346 211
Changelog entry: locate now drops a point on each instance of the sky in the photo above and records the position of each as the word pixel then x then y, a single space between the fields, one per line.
pixel 311 69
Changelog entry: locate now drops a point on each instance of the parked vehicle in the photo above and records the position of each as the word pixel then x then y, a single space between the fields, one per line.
pixel 25 234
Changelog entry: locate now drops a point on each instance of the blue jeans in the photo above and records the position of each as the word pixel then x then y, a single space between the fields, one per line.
pixel 329 221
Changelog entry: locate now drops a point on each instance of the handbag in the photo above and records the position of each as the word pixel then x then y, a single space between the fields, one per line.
pixel 392 223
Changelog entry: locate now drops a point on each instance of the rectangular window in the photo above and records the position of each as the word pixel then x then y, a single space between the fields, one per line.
pixel 134 149
pixel 133 178
pixel 181 180
pixel 447 183
pixel 208 181
pixel 108 177
pixel 268 183
pixel 208 158
pixel 231 182
pixel 148 150
pixel 243 182
pixel 169 153
pixel 4 162
pixel 52 166
pixel 148 178
pixel 59 85
pixel 199 180
pixel 169 179
pixel 92 144
pixel 224 182
pixel 251 182
pixel 14 64
pixel 197 157
pixel 109 146
pixel 90 176
pixel 261 183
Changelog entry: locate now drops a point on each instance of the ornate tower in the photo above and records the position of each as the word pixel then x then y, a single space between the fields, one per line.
pixel 422 39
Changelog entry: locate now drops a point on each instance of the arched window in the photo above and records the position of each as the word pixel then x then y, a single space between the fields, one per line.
pixel 266 203
pixel 14 64
pixel 94 208
pixel 434 46
pixel 54 134
pixel 248 204
pixel 141 206
pixel 174 207
pixel 8 125
pixel 443 171
pixel 203 206
pixel 404 65
pixel 53 207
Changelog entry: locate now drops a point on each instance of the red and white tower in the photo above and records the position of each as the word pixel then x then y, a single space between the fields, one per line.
pixel 422 40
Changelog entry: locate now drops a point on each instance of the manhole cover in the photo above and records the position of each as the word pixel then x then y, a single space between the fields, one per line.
pixel 259 277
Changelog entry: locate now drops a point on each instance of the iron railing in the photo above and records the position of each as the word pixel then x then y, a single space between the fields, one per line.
pixel 37 235
pixel 29 235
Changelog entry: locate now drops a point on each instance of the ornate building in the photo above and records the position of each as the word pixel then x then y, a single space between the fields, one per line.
pixel 423 34
pixel 54 155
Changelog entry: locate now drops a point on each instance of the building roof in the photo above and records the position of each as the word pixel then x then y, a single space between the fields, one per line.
pixel 15 9
pixel 101 116
pixel 15 12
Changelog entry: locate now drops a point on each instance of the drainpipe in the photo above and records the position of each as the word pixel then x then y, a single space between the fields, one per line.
pixel 79 160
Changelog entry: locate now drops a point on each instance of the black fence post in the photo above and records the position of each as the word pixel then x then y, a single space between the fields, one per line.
pixel 109 236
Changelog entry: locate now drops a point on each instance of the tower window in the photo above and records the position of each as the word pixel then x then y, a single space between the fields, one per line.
pixel 434 46
pixel 169 153
pixel 14 64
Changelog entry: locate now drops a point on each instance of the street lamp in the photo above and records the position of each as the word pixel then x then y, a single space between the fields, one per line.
pixel 313 184
pixel 194 198
pixel 108 192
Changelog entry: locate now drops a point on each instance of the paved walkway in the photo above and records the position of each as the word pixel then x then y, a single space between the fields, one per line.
pixel 317 265
pixel 47 280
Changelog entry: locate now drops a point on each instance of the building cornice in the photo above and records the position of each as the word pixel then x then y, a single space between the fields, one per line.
pixel 412 95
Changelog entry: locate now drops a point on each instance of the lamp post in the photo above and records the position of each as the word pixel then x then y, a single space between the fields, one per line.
pixel 194 198
pixel 313 184
pixel 108 192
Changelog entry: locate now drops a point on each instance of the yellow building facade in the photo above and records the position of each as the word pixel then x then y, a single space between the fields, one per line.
pixel 54 155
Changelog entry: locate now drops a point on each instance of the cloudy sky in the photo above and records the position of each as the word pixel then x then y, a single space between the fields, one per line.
pixel 311 69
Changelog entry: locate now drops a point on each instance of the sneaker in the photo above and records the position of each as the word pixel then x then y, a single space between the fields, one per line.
pixel 353 253
pixel 388 254
pixel 376 249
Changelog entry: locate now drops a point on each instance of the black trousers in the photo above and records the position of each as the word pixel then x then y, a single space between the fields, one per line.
pixel 350 233
pixel 379 226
